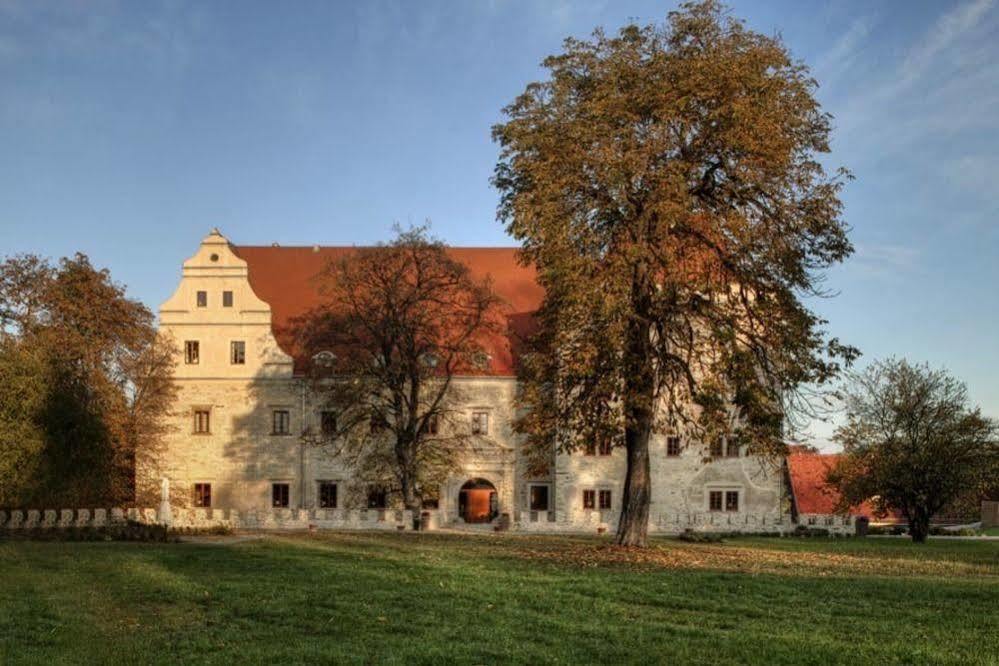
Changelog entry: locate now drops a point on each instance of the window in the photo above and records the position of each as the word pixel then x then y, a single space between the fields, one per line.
pixel 281 422
pixel 605 447
pixel 480 423
pixel 376 497
pixel 430 425
pixel 202 421
pixel 280 495
pixel 327 422
pixel 590 449
pixel 605 499
pixel 203 495
pixel 715 500
pixel 733 449
pixel 672 446
pixel 589 499
pixel 431 503
pixel 718 447
pixel 539 498
pixel 327 495
pixel 192 352
pixel 732 500
pixel 227 299
pixel 202 299
pixel 237 352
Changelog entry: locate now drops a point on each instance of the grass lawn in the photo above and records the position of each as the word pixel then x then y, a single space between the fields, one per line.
pixel 390 598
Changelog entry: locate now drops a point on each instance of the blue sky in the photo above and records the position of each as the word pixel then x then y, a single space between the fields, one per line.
pixel 129 129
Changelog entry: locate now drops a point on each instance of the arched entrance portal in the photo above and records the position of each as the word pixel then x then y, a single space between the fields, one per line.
pixel 477 501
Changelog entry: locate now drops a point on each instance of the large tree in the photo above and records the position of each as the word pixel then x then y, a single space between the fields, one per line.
pixel 913 443
pixel 398 322
pixel 666 185
pixel 85 384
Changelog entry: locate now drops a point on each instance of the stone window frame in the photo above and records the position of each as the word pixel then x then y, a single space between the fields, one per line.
pixel 202 490
pixel 280 499
pixel 285 431
pixel 192 352
pixel 548 496
pixel 320 483
pixel 723 492
pixel 237 352
pixel 480 421
pixel 196 421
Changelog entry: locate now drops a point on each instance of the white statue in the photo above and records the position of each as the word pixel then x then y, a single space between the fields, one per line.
pixel 165 517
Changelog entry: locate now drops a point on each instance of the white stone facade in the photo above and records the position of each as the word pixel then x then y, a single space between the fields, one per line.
pixel 241 457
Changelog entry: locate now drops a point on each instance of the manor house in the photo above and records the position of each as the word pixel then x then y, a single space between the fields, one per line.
pixel 243 403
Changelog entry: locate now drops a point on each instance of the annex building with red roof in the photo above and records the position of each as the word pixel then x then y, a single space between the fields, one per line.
pixel 236 453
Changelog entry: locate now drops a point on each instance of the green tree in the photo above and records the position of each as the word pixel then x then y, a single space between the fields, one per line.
pixel 912 443
pixel 665 184
pixel 398 323
pixel 90 383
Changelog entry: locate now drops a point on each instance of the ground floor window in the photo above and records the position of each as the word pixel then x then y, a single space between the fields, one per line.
pixel 539 497
pixel 723 500
pixel 589 499
pixel 605 499
pixel 377 498
pixel 732 500
pixel 202 495
pixel 280 495
pixel 327 495
pixel 715 500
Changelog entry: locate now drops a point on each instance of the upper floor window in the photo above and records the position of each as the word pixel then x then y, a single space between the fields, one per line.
pixel 590 448
pixel 605 499
pixel 202 299
pixel 281 422
pixel 327 495
pixel 732 449
pixel 605 447
pixel 280 495
pixel 237 352
pixel 192 352
pixel 672 446
pixel 327 422
pixel 227 299
pixel 480 423
pixel 539 498
pixel 430 425
pixel 202 421
pixel 717 447
pixel 202 495
pixel 589 499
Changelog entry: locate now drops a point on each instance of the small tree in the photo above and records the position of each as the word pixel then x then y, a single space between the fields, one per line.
pixel 398 323
pixel 912 443
pixel 665 183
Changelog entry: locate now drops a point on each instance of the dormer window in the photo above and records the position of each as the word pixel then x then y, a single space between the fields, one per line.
pixel 202 299
pixel 227 299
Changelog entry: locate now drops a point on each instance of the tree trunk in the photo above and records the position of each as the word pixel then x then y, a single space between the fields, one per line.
pixel 633 525
pixel 919 526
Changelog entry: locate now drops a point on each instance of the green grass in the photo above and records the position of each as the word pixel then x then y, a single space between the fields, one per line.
pixel 388 598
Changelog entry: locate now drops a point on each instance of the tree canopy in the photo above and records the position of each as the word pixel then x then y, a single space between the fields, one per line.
pixel 666 184
pixel 913 443
pixel 398 322
pixel 85 384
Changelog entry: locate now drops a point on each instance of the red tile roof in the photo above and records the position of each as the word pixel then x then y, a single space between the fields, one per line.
pixel 808 484
pixel 284 278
